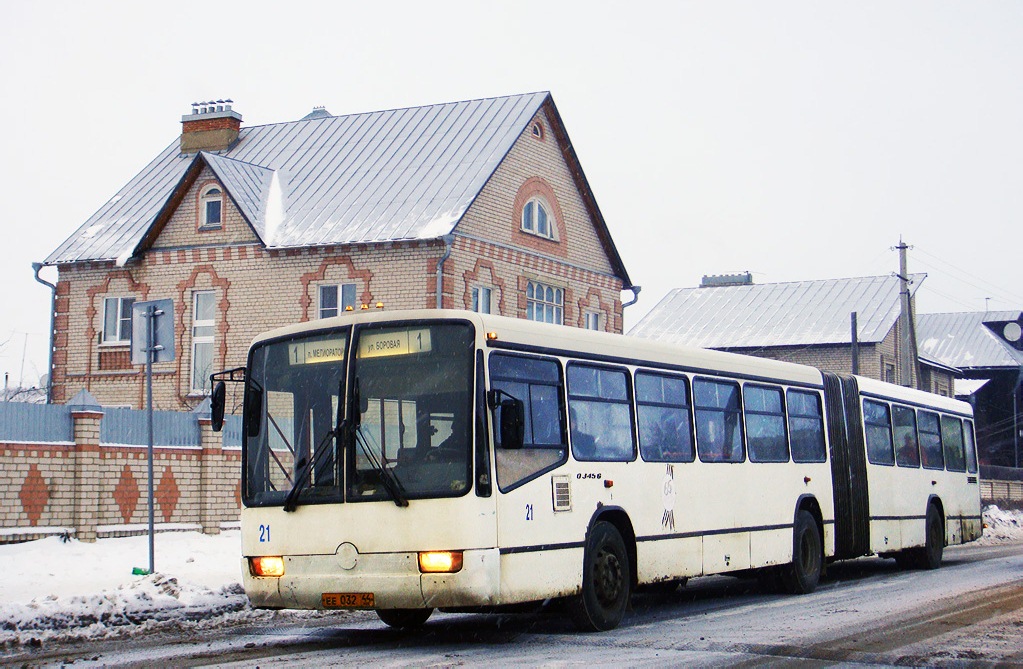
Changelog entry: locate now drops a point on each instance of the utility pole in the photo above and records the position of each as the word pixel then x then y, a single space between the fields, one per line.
pixel 907 359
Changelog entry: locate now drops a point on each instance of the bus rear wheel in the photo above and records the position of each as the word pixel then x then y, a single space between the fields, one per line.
pixel 404 618
pixel 930 554
pixel 802 575
pixel 607 580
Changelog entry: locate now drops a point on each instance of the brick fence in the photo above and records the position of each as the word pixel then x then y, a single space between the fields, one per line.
pixel 81 470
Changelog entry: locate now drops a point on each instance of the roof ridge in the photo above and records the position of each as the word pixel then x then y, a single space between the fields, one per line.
pixel 399 109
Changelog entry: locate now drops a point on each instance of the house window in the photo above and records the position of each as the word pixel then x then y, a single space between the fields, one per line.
pixel 537 130
pixel 211 207
pixel 545 303
pixel 335 298
pixel 591 320
pixel 889 372
pixel 536 219
pixel 203 323
pixel 117 320
pixel 482 299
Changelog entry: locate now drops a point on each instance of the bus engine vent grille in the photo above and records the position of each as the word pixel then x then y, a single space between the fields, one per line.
pixel 562 493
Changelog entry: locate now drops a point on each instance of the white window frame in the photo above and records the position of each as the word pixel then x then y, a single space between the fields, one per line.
pixel 212 193
pixel 200 380
pixel 531 222
pixel 591 320
pixel 114 308
pixel 341 300
pixel 545 303
pixel 483 299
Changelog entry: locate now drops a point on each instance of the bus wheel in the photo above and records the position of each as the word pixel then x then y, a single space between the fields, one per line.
pixel 606 581
pixel 930 556
pixel 801 577
pixel 404 618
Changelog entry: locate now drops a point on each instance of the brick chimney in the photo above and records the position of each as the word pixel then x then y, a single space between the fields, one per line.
pixel 212 126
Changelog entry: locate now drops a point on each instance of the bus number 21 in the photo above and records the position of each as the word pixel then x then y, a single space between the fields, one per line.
pixel 264 534
pixel 529 512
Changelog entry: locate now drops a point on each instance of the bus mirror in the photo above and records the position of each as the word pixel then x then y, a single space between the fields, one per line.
pixel 513 420
pixel 217 406
pixel 253 408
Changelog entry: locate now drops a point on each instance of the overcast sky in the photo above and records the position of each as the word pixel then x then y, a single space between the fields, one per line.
pixel 796 140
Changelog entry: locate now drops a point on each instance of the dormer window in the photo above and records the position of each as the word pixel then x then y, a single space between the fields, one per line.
pixel 211 205
pixel 536 219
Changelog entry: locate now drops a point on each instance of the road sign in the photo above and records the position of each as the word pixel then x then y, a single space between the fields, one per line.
pixel 163 331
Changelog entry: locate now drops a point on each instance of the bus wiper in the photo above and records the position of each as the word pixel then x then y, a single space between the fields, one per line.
pixel 306 466
pixel 387 477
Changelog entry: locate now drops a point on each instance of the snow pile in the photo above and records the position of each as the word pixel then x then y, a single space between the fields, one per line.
pixel 68 589
pixel 1002 526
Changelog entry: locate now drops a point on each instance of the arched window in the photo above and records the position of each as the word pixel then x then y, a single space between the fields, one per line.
pixel 211 204
pixel 536 218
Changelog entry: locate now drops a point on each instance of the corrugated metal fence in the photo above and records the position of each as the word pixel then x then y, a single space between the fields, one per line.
pixel 35 423
pixel 52 424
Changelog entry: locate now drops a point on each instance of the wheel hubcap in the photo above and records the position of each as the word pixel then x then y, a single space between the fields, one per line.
pixel 608 573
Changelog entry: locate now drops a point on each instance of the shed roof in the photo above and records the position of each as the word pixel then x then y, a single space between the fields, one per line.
pixel 967 340
pixel 401 174
pixel 801 313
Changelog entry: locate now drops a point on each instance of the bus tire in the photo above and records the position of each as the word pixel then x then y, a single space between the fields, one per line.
pixel 607 580
pixel 934 543
pixel 404 618
pixel 801 576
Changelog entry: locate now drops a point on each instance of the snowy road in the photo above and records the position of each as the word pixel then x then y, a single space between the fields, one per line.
pixel 969 612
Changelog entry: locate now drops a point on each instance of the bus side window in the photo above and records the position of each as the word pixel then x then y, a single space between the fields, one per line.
pixel 952 440
pixel 907 450
pixel 806 426
pixel 971 447
pixel 877 423
pixel 718 421
pixel 665 418
pixel 765 424
pixel 600 413
pixel 930 441
pixel 538 384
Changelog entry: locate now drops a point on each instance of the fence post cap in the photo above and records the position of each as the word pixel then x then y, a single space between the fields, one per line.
pixel 84 401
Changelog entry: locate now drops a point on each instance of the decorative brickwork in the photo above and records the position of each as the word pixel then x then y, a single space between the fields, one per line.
pixel 167 494
pixel 34 495
pixel 126 494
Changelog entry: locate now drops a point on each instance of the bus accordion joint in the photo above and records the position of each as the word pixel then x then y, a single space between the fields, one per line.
pixel 268 566
pixel 440 562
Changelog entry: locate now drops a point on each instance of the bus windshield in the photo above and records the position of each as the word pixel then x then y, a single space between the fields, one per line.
pixel 392 424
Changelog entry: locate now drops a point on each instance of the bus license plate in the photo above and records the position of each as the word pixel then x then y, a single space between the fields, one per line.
pixel 347 600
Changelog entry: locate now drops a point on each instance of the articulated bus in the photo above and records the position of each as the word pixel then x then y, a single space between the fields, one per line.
pixel 419 460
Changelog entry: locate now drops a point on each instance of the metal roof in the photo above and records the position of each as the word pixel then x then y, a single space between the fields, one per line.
pixel 402 174
pixel 800 313
pixel 964 341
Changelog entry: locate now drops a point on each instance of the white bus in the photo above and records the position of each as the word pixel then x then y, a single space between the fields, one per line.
pixel 420 460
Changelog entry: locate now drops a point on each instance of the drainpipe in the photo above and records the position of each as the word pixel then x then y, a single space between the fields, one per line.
pixel 635 296
pixel 36 266
pixel 448 241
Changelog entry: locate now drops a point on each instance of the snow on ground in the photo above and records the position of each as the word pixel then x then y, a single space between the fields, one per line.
pixel 57 590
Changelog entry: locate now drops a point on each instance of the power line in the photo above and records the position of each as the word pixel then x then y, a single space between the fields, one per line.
pixel 981 283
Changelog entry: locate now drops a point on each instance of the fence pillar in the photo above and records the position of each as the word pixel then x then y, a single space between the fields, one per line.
pixel 86 426
pixel 211 462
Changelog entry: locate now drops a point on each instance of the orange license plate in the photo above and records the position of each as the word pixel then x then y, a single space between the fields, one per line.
pixel 347 600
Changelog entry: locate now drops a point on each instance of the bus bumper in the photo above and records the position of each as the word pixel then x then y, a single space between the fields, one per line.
pixel 393 579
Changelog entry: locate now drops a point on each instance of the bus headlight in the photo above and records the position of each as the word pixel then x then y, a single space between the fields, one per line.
pixel 440 562
pixel 266 566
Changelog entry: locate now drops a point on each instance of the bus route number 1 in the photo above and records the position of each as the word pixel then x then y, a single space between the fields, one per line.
pixel 264 534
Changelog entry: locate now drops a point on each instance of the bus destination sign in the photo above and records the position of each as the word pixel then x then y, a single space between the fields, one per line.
pixel 317 351
pixel 394 342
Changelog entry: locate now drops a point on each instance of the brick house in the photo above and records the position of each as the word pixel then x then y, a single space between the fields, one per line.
pixel 806 322
pixel 248 228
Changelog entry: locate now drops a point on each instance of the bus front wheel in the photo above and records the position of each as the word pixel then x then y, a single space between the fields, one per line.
pixel 801 577
pixel 404 618
pixel 607 580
